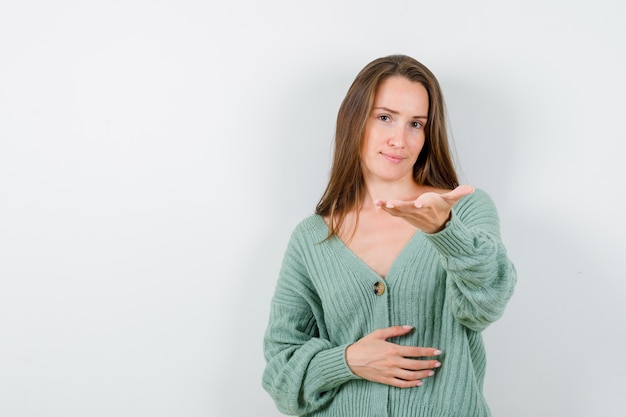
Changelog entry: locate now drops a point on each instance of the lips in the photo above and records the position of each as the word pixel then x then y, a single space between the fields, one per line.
pixel 395 159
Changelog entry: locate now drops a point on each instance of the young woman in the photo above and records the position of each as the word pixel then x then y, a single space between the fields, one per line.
pixel 384 292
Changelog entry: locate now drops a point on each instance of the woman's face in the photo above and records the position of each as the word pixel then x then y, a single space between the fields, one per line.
pixel 394 131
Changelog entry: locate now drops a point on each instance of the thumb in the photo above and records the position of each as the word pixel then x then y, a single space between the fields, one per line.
pixel 393 331
pixel 456 194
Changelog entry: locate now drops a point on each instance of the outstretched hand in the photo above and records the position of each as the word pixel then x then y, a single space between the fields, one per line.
pixel 430 211
pixel 375 359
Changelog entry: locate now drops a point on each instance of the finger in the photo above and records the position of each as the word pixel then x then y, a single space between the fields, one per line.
pixel 401 383
pixel 392 204
pixel 418 351
pixel 418 365
pixel 397 207
pixel 414 375
pixel 456 194
pixel 393 331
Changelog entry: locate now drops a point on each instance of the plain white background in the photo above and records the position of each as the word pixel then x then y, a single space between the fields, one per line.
pixel 155 155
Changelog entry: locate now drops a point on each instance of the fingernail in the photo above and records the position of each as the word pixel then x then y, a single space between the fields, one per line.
pixel 389 205
pixel 438 364
pixel 437 352
pixel 431 373
pixel 418 383
pixel 406 326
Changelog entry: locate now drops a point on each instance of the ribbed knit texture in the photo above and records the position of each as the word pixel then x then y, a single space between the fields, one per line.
pixel 450 286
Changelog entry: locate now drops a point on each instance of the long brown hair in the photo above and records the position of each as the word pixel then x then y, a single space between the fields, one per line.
pixel 434 166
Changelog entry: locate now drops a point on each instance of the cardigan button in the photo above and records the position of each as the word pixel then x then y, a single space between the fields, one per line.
pixel 379 288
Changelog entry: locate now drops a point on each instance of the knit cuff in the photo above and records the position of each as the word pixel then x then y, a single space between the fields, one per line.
pixel 453 240
pixel 334 369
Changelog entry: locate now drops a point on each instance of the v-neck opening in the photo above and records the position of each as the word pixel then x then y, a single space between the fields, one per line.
pixel 358 264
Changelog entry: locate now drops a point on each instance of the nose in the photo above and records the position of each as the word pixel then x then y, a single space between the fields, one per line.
pixel 397 137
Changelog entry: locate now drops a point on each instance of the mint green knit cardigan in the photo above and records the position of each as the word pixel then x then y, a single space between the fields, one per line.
pixel 449 285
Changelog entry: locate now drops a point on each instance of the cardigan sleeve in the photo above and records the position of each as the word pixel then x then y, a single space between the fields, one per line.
pixel 303 370
pixel 480 276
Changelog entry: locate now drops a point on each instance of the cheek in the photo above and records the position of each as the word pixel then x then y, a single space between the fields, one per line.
pixel 418 144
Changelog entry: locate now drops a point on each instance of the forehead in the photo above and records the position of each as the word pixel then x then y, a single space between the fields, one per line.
pixel 400 92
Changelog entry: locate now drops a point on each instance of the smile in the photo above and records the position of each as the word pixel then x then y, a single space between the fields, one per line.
pixel 393 158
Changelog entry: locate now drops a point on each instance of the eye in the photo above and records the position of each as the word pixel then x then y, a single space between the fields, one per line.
pixel 417 124
pixel 384 118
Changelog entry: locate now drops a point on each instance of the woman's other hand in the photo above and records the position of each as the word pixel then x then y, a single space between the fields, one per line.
pixel 375 359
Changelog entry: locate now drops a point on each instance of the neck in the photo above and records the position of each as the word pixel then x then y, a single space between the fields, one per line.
pixel 406 190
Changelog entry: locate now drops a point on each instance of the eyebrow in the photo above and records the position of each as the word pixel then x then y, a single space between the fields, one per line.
pixel 395 112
